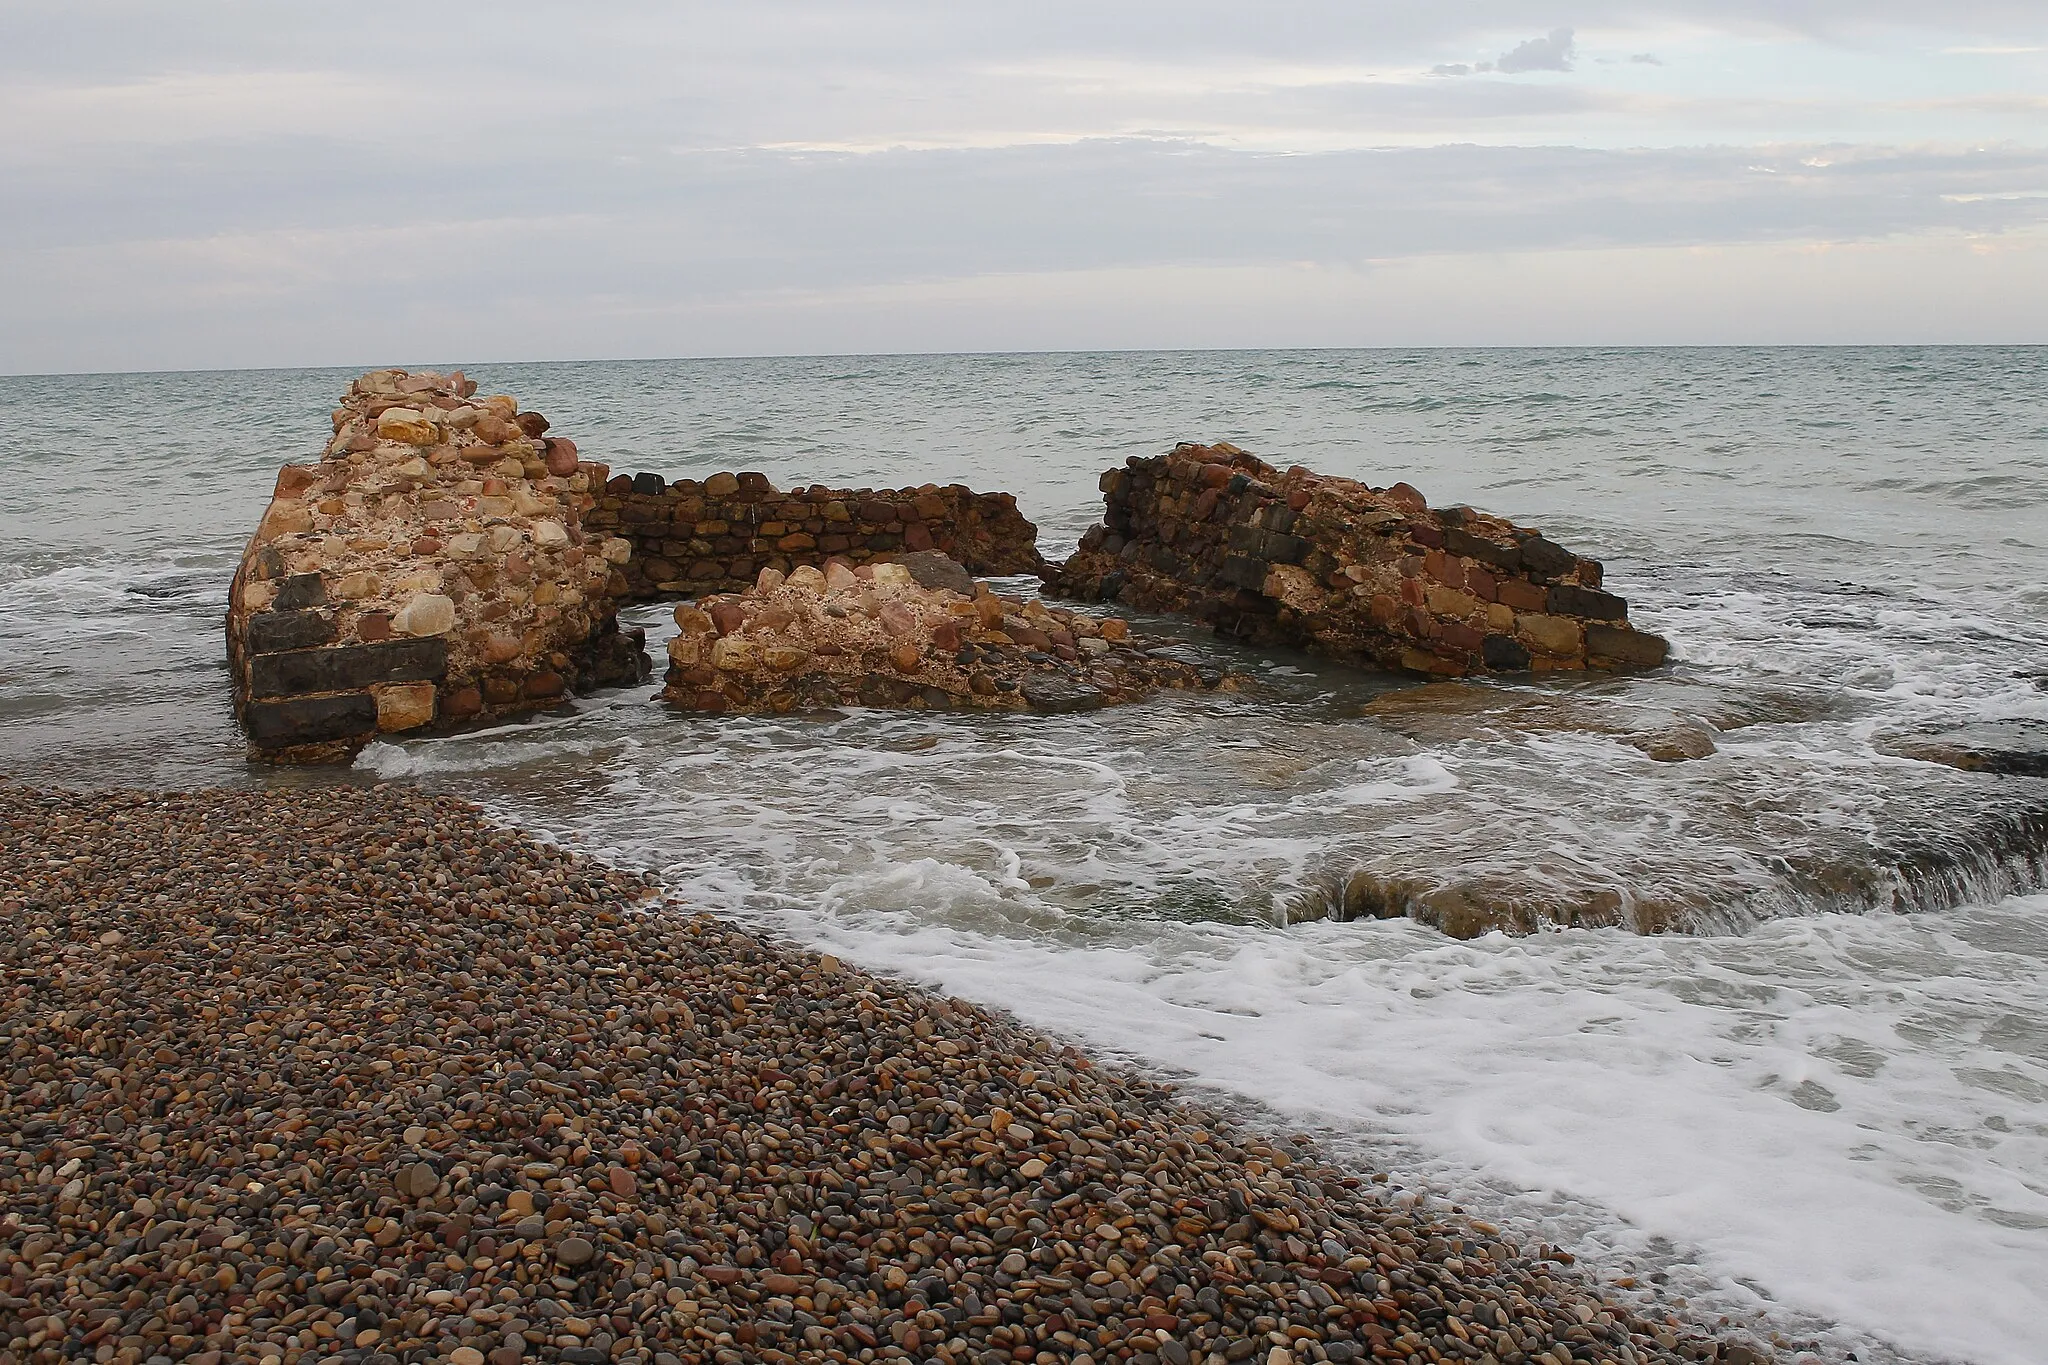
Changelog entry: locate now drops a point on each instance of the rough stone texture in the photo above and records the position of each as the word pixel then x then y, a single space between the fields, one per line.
pixel 343 1075
pixel 693 537
pixel 874 635
pixel 1364 574
pixel 431 567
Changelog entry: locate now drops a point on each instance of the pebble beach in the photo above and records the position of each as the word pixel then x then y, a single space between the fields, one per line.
pixel 354 1074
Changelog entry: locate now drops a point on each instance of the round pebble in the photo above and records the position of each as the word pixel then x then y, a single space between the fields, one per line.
pixel 370 1078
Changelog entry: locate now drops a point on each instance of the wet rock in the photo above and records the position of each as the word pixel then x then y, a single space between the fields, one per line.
pixel 1334 566
pixel 872 635
pixel 936 571
pixel 2015 747
pixel 1059 695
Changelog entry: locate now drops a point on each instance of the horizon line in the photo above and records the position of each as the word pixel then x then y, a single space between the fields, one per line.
pixel 1078 351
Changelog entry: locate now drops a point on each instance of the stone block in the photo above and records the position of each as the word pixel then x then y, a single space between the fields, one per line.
pixel 1611 646
pixel 1568 599
pixel 1504 654
pixel 346 667
pixel 1547 558
pixel 300 590
pixel 310 720
pixel 1460 542
pixel 273 632
pixel 1556 635
pixel 403 706
pixel 1240 571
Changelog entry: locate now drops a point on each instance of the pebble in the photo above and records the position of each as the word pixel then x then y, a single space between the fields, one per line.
pixel 368 1078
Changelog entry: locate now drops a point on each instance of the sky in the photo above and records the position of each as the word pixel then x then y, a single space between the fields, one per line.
pixel 213 184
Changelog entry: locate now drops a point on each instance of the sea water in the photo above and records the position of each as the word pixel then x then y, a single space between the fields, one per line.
pixel 1822 1113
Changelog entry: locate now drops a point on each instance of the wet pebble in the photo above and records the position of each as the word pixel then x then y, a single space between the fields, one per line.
pixel 355 1075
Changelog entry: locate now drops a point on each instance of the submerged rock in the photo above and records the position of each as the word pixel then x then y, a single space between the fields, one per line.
pixel 1446 713
pixel 874 635
pixel 2012 747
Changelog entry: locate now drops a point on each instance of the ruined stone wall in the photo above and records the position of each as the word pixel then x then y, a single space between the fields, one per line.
pixel 431 567
pixel 1358 573
pixel 919 633
pixel 690 538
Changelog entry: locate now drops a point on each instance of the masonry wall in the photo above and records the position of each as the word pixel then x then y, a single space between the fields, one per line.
pixel 1329 564
pixel 430 568
pixel 690 538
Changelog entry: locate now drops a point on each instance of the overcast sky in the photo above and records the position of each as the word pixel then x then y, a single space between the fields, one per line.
pixel 209 184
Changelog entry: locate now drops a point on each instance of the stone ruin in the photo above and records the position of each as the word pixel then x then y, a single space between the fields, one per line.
pixel 919 633
pixel 431 568
pixel 691 538
pixel 447 560
pixel 1360 574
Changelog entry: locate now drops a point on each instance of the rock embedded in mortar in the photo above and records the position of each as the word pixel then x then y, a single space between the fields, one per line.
pixel 430 568
pixel 873 635
pixel 1362 574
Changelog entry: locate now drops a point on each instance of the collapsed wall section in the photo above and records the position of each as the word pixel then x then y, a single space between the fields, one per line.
pixel 693 537
pixel 1329 564
pixel 430 568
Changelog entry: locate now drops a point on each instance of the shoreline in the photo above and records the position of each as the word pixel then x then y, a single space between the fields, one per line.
pixel 348 1074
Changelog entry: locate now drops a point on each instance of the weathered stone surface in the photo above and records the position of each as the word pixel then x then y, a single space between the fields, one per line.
pixel 873 636
pixel 1362 574
pixel 271 632
pixel 1625 648
pixel 935 570
pixel 691 538
pixel 404 706
pixel 299 590
pixel 346 667
pixel 1055 696
pixel 310 720
pixel 438 539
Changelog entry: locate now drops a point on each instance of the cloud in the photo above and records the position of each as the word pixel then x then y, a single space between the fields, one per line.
pixel 171 181
pixel 1552 52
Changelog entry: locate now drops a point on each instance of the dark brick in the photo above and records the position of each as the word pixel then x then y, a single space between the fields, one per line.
pixel 298 591
pixel 1568 599
pixel 272 632
pixel 310 720
pixel 1281 548
pixel 1242 571
pixel 1547 557
pixel 267 563
pixel 1465 543
pixel 1504 654
pixel 346 668
pixel 649 484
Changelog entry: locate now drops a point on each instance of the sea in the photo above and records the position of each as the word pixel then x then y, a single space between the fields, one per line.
pixel 1818 1111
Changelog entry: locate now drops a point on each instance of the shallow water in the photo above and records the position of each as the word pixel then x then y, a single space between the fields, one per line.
pixel 1832 1123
